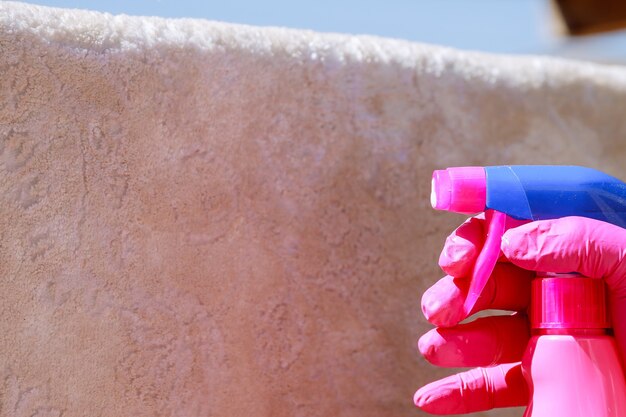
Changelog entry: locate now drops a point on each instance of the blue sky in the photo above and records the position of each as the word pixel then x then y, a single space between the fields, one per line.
pixel 513 26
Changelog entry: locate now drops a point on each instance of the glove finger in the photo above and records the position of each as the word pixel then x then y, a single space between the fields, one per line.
pixel 507 289
pixel 462 247
pixel 479 389
pixel 483 342
pixel 464 244
pixel 591 247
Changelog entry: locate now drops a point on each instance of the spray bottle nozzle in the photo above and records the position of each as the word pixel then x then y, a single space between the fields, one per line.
pixel 460 189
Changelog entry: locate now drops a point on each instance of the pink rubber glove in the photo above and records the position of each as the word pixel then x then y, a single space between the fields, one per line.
pixel 496 344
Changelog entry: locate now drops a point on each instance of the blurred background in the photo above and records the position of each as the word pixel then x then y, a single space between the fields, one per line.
pixel 580 29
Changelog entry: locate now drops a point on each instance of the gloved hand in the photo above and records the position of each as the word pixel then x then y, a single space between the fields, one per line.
pixel 571 244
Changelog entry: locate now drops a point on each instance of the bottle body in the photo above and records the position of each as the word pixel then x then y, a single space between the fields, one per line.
pixel 574 374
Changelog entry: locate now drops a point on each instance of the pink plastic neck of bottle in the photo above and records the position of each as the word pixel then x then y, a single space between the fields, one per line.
pixel 569 302
pixel 575 332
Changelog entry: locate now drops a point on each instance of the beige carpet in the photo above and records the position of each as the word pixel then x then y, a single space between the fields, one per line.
pixel 204 219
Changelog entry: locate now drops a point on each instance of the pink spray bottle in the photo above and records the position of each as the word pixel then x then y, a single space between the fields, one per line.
pixel 571 363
